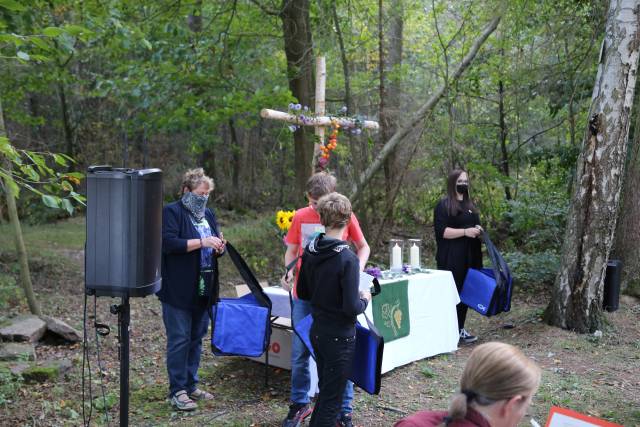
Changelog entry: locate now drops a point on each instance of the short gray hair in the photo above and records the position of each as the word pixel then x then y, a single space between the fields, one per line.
pixel 193 178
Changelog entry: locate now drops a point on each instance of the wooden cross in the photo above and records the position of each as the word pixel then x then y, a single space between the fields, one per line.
pixel 319 121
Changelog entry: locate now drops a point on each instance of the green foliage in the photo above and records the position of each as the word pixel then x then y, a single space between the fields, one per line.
pixel 10 295
pixel 101 403
pixel 10 385
pixel 258 242
pixel 532 269
pixel 35 172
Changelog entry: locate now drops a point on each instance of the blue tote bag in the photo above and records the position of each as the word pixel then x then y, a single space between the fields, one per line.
pixel 488 290
pixel 241 326
pixel 366 368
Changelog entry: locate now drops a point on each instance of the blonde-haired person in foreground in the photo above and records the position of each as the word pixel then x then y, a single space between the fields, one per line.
pixel 496 388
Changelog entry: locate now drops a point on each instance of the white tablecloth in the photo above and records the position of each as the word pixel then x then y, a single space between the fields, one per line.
pixel 434 324
pixel 432 308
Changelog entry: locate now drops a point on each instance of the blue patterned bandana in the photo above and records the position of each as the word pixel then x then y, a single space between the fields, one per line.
pixel 195 203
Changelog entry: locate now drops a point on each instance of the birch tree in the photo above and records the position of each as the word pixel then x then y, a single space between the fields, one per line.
pixel 577 295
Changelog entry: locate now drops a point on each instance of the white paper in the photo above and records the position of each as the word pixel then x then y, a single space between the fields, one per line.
pixel 366 281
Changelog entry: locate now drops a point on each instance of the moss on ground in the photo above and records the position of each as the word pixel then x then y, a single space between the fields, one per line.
pixel 41 374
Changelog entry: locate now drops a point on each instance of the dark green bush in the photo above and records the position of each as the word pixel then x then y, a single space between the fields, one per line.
pixel 535 269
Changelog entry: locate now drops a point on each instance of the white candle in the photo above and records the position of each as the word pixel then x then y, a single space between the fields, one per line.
pixel 415 256
pixel 396 258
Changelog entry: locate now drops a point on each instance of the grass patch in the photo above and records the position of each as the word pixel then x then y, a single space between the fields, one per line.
pixel 10 294
pixel 10 385
pixel 151 401
pixel 259 244
pixel 69 234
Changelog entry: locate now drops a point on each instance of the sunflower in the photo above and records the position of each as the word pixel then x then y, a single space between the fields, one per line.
pixel 284 219
pixel 289 218
pixel 281 220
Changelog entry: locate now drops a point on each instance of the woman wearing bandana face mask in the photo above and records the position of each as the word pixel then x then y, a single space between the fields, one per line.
pixel 458 247
pixel 191 244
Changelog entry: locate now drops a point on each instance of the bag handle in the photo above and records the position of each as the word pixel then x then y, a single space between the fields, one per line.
pixel 376 287
pixel 500 267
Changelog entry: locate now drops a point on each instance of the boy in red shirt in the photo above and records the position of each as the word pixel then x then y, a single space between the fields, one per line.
pixel 306 222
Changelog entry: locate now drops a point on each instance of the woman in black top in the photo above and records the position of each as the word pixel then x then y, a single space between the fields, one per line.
pixel 457 229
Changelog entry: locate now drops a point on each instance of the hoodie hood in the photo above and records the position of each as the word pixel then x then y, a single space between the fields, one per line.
pixel 322 247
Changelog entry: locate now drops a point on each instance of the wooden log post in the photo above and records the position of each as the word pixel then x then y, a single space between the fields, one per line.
pixel 321 83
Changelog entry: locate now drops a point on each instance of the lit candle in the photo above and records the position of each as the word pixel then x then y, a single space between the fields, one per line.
pixel 396 258
pixel 415 256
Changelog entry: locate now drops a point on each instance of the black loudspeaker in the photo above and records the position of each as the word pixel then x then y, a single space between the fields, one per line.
pixel 124 232
pixel 611 297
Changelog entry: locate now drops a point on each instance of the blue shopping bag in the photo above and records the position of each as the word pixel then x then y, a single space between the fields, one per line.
pixel 488 290
pixel 366 368
pixel 241 326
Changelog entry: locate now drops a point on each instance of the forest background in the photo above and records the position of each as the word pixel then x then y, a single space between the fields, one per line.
pixel 178 84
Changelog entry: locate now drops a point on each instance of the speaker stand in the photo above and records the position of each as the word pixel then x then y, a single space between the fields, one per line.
pixel 124 319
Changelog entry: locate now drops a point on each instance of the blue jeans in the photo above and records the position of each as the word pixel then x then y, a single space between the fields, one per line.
pixel 185 329
pixel 300 377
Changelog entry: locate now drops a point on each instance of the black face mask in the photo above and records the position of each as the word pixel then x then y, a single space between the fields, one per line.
pixel 462 188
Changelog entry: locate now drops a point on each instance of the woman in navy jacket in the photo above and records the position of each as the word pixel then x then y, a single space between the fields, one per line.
pixel 191 243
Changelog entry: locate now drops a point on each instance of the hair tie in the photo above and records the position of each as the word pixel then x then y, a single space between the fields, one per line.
pixel 470 394
pixel 447 420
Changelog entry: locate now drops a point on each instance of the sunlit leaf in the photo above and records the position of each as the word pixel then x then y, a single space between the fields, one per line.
pixel 52 31
pixel 40 43
pixel 66 205
pixel 59 159
pixel 30 172
pixel 66 186
pixel 51 201
pixel 9 182
pixel 23 55
pixel 12 5
pixel 77 30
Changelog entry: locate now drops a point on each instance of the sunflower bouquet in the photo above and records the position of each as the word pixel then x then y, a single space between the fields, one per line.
pixel 283 221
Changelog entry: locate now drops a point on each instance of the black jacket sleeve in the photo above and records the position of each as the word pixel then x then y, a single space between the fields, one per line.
pixel 352 304
pixel 440 218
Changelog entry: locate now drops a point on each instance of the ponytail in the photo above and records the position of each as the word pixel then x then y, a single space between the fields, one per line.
pixel 457 409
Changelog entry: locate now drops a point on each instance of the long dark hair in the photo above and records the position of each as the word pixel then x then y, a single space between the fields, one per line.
pixel 455 206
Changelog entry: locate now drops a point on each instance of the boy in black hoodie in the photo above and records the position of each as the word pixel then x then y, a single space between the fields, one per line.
pixel 329 278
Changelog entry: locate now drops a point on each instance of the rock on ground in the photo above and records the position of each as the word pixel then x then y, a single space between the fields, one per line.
pixel 47 371
pixel 24 328
pixel 17 351
pixel 61 329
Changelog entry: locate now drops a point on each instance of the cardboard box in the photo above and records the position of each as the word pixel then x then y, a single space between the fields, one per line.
pixel 279 347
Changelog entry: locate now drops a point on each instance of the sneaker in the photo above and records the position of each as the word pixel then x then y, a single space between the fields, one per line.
pixel 198 394
pixel 466 337
pixel 297 413
pixel 182 402
pixel 345 421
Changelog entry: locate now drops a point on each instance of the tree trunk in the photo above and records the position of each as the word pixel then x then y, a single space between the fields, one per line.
pixel 627 244
pixel 299 52
pixel 504 162
pixel 577 295
pixel 236 164
pixel 66 122
pixel 21 251
pixel 390 52
pixel 421 114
